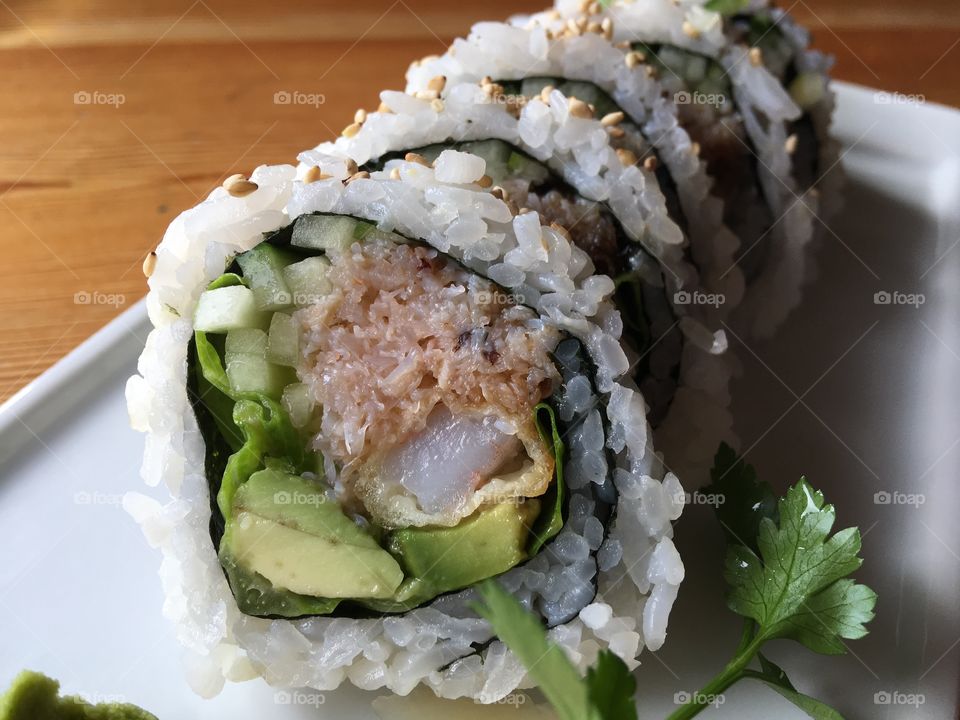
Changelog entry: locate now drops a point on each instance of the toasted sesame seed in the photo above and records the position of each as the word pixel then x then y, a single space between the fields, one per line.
pixel 695 148
pixel 384 108
pixel 690 31
pixel 634 58
pixel 412 157
pixel 436 105
pixel 615 132
pixel 362 175
pixel 314 174
pixel 585 5
pixel 614 118
pixel 594 27
pixel 650 70
pixel 437 83
pixel 149 263
pixel 622 45
pixel 239 186
pixel 756 56
pixel 351 130
pixel 578 108
pixel 395 174
pixel 524 211
pixel 427 95
pixel 572 28
pixel 607 27
pixel 545 94
pixel 486 80
pixel 791 144
pixel 485 182
pixel 627 157
pixel 650 163
pixel 582 23
pixel 352 166
pixel 553 15
pixel 360 116
pixel 593 8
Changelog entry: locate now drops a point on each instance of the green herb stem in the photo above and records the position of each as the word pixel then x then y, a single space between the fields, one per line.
pixel 735 670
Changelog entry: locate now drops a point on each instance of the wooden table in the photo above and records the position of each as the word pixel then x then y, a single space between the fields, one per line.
pixel 86 190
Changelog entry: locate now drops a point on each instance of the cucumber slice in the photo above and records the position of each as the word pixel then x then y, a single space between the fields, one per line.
pixel 263 269
pixel 249 341
pixel 307 280
pixel 298 403
pixel 324 232
pixel 283 343
pixel 252 373
pixel 227 308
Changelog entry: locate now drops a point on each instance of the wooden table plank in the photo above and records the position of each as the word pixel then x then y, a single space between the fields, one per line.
pixel 87 190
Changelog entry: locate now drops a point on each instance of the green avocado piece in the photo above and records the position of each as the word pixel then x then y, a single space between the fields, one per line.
pixel 263 269
pixel 489 542
pixel 34 696
pixel 284 528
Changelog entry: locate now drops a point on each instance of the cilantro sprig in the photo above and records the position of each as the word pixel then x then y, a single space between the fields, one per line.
pixel 787 576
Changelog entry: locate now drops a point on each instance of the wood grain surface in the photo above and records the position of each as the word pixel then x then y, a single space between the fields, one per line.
pixel 182 96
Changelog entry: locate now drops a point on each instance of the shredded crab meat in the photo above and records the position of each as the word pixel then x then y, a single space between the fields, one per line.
pixel 402 332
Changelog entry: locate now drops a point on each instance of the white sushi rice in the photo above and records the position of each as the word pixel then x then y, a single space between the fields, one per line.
pixel 639 568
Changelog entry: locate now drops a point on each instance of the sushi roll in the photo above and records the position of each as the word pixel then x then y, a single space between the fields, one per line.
pixel 550 153
pixel 357 423
pixel 710 92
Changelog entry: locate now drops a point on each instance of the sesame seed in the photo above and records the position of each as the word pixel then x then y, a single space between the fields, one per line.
pixel 412 157
pixel 791 144
pixel 545 94
pixel 578 108
pixel 360 116
pixel 690 31
pixel 607 27
pixel 239 186
pixel 615 132
pixel 593 8
pixel 695 148
pixel 756 56
pixel 524 211
pixel 485 182
pixel 352 166
pixel 614 118
pixel 436 105
pixel 314 174
pixel 437 83
pixel 627 157
pixel 362 175
pixel 149 264
pixel 384 108
pixel 650 163
pixel 351 130
pixel 633 59
pixel 594 27
pixel 498 192
pixel 395 174
pixel 427 95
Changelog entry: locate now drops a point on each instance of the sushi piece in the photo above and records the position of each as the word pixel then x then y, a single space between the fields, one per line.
pixel 708 91
pixel 551 153
pixel 357 424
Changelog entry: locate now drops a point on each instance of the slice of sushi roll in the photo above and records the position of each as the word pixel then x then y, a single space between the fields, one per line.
pixel 554 154
pixel 356 424
pixel 742 118
pixel 627 97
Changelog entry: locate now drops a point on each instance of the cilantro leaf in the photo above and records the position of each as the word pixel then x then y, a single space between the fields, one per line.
pixel 746 501
pixel 727 7
pixel 611 687
pixel 777 679
pixel 789 589
pixel 522 632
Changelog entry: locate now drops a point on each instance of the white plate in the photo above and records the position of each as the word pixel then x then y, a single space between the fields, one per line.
pixel 860 397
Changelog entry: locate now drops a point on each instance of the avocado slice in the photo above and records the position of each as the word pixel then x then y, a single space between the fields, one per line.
pixel 285 529
pixel 489 542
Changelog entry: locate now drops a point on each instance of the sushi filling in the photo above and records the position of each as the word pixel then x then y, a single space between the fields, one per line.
pixel 375 420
